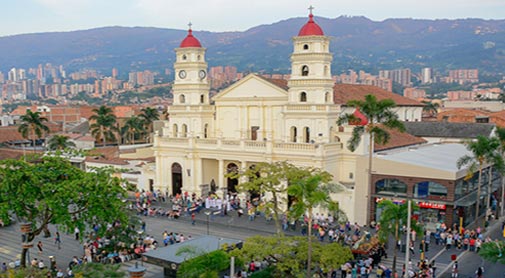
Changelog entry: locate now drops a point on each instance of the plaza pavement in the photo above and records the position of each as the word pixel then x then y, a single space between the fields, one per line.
pixel 230 226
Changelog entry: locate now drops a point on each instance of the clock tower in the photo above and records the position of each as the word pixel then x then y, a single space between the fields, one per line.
pixel 191 86
pixel 191 114
pixel 311 81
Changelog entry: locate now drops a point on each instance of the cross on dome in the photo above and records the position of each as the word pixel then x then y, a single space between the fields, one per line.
pixel 311 8
pixel 311 28
pixel 190 40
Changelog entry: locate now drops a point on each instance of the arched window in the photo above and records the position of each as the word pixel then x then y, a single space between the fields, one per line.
pixel 306 134
pixel 305 70
pixel 182 99
pixel 198 57
pixel 325 70
pixel 391 187
pixel 202 98
pixel 331 135
pixel 303 97
pixel 429 188
pixel 184 130
pixel 293 134
pixel 327 97
pixel 175 130
pixel 184 57
pixel 205 131
pixel 305 47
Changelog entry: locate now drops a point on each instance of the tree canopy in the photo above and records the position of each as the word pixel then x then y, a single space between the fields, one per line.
pixel 288 255
pixel 51 190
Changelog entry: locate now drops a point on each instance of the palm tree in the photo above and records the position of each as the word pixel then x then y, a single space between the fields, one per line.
pixel 59 142
pixel 310 191
pixel 132 127
pixel 391 219
pixel 104 124
pixel 430 107
pixel 149 115
pixel 500 135
pixel 33 126
pixel 483 153
pixel 379 116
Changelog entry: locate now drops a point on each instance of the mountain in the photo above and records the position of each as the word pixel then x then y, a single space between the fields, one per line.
pixel 356 43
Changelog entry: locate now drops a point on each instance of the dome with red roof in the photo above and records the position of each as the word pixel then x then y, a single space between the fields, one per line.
pixel 360 118
pixel 311 28
pixel 190 40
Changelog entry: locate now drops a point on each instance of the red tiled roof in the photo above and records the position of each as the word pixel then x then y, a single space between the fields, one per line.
pixel 9 133
pixel 6 153
pixel 281 83
pixel 399 139
pixel 342 93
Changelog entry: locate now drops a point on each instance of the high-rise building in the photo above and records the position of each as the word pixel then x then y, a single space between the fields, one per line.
pixel 114 72
pixel 463 76
pixel 400 76
pixel 426 76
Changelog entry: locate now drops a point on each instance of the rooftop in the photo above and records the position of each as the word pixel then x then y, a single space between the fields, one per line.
pixel 448 129
pixel 439 156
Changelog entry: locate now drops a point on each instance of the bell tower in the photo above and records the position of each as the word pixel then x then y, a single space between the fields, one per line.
pixel 311 81
pixel 191 86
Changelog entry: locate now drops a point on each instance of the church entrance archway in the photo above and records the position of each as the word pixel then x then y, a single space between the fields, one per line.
pixel 176 179
pixel 232 182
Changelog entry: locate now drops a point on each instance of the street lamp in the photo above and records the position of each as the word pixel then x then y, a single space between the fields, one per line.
pixel 208 214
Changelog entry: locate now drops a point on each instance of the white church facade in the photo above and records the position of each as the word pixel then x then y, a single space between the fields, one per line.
pixel 265 120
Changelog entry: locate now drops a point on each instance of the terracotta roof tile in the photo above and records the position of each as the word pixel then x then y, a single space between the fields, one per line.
pixel 399 139
pixel 281 83
pixel 342 93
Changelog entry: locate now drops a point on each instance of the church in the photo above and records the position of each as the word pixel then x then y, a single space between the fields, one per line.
pixel 258 119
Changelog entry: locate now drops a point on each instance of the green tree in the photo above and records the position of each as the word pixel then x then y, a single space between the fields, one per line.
pixel 288 255
pixel 380 117
pixel 493 251
pixel 32 126
pixel 51 190
pixel 59 142
pixel 132 127
pixel 391 219
pixel 103 126
pixel 149 115
pixel 269 178
pixel 484 152
pixel 431 108
pixel 98 270
pixel 200 264
pixel 310 191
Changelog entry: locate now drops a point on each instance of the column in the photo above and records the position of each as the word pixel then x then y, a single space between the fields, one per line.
pixel 220 178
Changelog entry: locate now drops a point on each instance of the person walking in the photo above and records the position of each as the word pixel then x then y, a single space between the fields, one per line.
pixel 39 246
pixel 76 233
pixel 57 240
pixel 193 218
pixel 454 273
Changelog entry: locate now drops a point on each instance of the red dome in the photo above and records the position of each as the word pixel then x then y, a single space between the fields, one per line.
pixel 360 118
pixel 190 41
pixel 311 28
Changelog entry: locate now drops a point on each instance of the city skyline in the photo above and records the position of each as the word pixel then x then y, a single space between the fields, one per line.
pixel 33 16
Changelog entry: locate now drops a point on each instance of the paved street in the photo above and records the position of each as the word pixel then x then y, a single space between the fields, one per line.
pixel 230 226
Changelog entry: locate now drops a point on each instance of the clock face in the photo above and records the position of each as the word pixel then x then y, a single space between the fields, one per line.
pixel 202 74
pixel 182 74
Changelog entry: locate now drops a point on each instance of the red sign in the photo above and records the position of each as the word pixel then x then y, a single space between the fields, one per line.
pixel 431 205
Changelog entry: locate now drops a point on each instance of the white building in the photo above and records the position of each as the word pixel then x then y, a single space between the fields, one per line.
pixel 264 120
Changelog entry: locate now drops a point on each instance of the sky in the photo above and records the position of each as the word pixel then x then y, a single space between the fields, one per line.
pixel 33 16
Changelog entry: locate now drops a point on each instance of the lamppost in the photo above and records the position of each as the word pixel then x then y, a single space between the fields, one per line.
pixel 208 214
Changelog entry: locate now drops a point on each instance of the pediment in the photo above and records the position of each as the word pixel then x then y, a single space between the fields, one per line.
pixel 252 87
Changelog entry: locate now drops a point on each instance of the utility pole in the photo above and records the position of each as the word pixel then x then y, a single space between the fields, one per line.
pixel 407 251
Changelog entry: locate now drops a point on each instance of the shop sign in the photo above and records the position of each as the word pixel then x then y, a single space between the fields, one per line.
pixel 395 201
pixel 431 205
